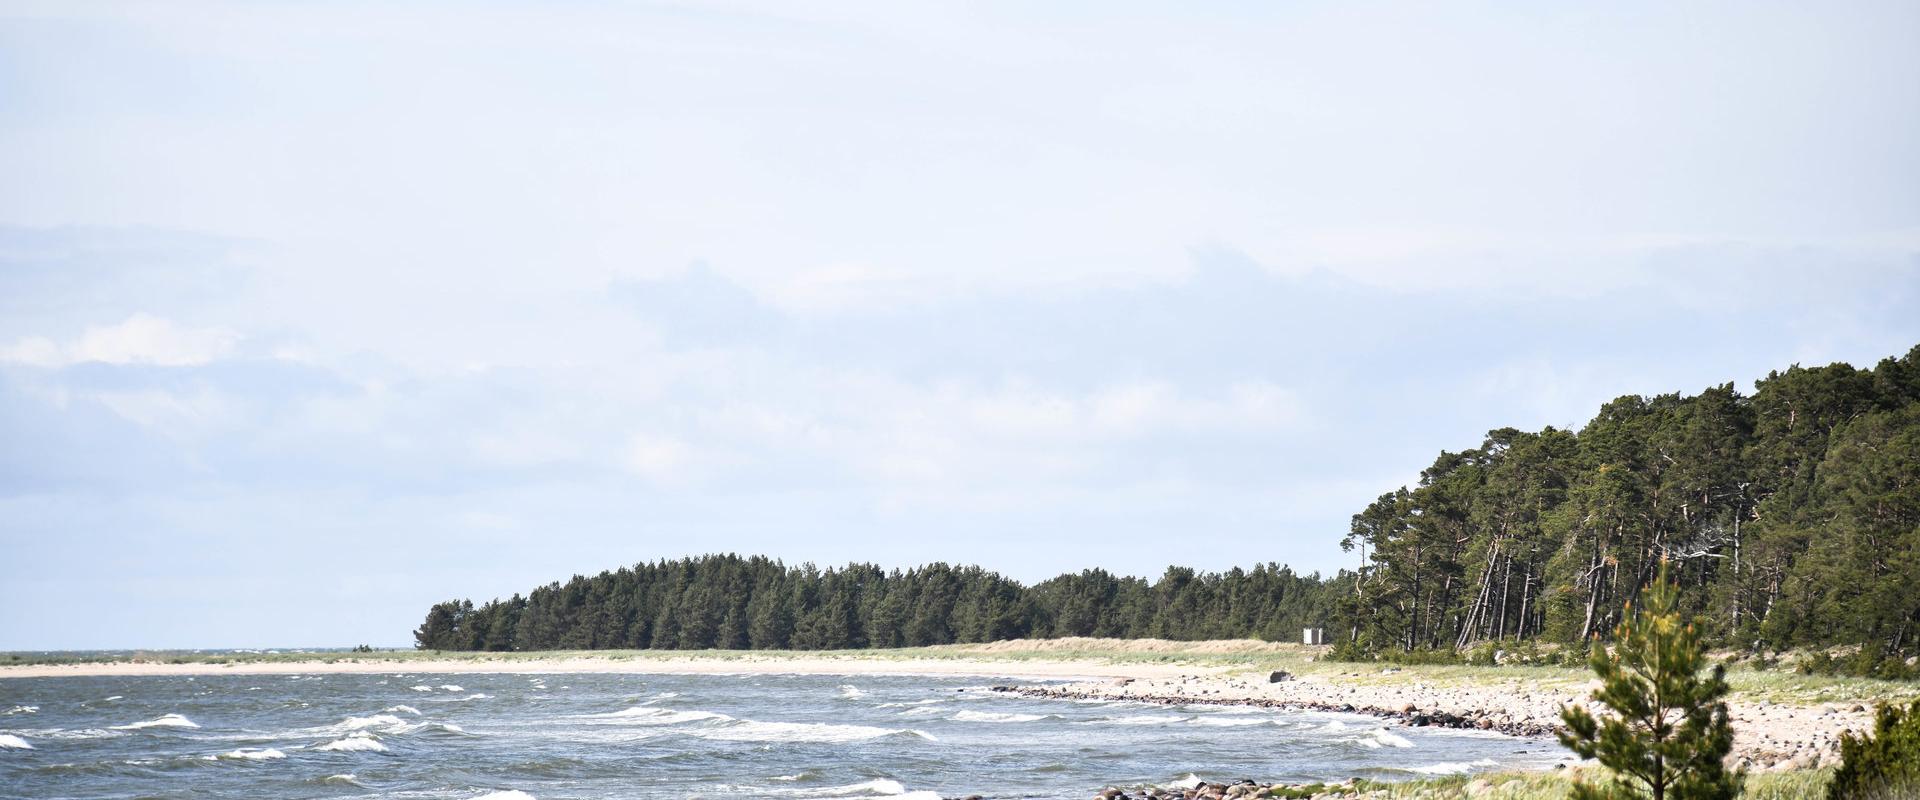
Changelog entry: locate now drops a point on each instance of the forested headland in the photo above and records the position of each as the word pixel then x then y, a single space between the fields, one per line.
pixel 1790 517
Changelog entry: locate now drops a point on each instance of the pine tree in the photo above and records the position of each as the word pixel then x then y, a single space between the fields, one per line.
pixel 1669 734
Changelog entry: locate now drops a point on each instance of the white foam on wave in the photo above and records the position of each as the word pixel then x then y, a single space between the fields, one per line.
pixel 990 716
pixel 750 731
pixel 451 688
pixel 423 688
pixel 922 711
pixel 387 721
pixel 1382 738
pixel 851 692
pixel 911 703
pixel 509 794
pixel 402 710
pixel 649 715
pixel 243 754
pixel 1452 767
pixel 360 742
pixel 1230 722
pixel 11 742
pixel 21 710
pixel 163 721
pixel 864 790
pixel 475 696
pixel 1138 719
pixel 1192 781
pixel 113 698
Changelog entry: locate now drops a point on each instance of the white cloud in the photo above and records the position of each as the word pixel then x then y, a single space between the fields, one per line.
pixel 140 339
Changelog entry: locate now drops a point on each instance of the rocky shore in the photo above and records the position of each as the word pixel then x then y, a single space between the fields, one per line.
pixel 1766 735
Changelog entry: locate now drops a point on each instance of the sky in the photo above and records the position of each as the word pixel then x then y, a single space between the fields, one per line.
pixel 314 314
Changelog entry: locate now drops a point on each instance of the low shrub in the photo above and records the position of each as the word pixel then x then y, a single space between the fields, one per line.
pixel 1884 766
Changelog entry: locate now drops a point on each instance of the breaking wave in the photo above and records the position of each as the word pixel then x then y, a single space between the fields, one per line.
pixel 1452 767
pixel 244 754
pixel 361 742
pixel 990 716
pixel 11 742
pixel 163 721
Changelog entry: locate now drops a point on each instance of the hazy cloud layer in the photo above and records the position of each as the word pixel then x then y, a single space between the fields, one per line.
pixel 313 315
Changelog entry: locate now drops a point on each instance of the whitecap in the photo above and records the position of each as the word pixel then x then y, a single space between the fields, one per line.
pixel 989 716
pixel 911 703
pixel 423 688
pixel 1192 781
pixel 402 710
pixel 163 721
pixel 648 715
pixel 1451 767
pixel 375 721
pixel 113 698
pixel 451 688
pixel 1229 722
pixel 1138 719
pixel 1383 738
pixel 749 731
pixel 9 741
pixel 509 794
pixel 851 692
pixel 357 743
pixel 922 711
pixel 21 710
pixel 244 754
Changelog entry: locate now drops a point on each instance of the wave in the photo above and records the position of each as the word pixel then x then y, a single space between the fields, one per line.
pixel 163 721
pixel 851 692
pixel 21 710
pixel 1137 719
pixel 1382 738
pixel 1232 721
pixel 9 741
pixel 423 688
pixel 402 710
pixel 989 716
pixel 1452 767
pixel 876 789
pixel 361 742
pixel 509 794
pixel 475 696
pixel 649 715
pixel 818 732
pixel 911 703
pixel 922 711
pixel 244 754
pixel 451 688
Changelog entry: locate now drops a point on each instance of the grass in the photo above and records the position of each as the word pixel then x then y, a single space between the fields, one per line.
pixel 1246 658
pixel 1795 785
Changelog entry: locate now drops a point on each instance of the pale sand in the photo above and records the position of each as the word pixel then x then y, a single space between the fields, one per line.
pixel 795 664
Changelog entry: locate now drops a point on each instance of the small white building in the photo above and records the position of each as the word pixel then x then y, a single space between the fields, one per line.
pixel 1313 636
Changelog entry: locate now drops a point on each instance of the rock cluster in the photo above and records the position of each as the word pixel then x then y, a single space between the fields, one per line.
pixel 1409 714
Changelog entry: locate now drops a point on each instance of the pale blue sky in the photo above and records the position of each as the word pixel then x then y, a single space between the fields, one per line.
pixel 312 314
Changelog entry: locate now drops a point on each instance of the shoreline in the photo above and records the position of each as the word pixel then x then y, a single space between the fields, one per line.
pixel 682 665
pixel 1782 721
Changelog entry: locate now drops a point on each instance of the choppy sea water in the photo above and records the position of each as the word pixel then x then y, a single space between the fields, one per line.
pixel 512 736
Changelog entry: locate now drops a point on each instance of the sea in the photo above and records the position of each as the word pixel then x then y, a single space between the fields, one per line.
pixel 514 736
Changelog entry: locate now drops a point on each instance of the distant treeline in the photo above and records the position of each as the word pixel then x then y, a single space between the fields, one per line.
pixel 1790 516
pixel 730 602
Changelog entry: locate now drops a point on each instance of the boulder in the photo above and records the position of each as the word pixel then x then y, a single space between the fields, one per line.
pixel 1279 676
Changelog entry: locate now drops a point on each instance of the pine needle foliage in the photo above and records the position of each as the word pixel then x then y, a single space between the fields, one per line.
pixel 1668 733
pixel 1885 766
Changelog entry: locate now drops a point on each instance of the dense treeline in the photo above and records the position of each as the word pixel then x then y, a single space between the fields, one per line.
pixel 730 602
pixel 1789 517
